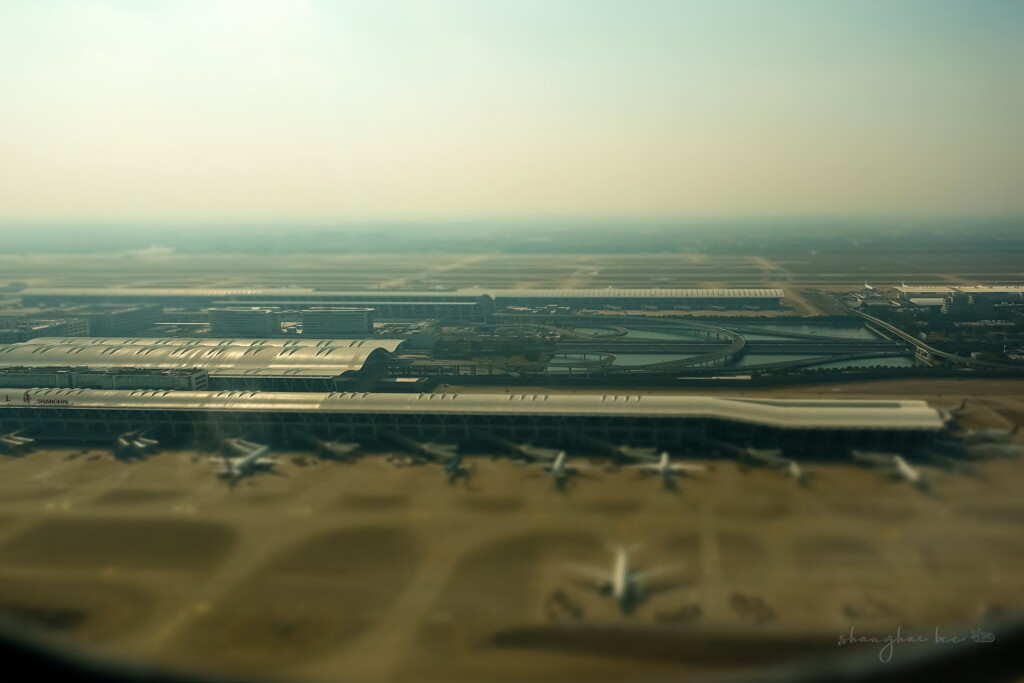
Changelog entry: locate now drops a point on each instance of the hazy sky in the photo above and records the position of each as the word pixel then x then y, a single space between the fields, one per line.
pixel 325 110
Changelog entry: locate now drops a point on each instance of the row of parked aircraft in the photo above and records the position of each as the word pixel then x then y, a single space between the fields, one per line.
pixel 243 458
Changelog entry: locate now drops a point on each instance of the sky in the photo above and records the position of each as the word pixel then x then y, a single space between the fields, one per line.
pixel 334 110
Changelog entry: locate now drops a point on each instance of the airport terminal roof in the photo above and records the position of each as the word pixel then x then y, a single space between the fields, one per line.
pixel 786 414
pixel 966 289
pixel 389 345
pixel 234 361
pixel 635 293
pixel 292 293
pixel 306 293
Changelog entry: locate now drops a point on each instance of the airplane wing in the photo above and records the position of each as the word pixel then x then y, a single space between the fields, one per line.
pixel 688 467
pixel 645 575
pixel 595 574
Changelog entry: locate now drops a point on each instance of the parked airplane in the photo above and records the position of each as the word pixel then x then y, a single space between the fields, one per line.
pixel 790 467
pixel 949 414
pixel 561 470
pixel 254 458
pixel 427 451
pixel 895 465
pixel 134 444
pixel 987 451
pixel 454 469
pixel 14 444
pixel 667 470
pixel 992 435
pixel 624 584
pixel 330 450
pixel 620 453
pixel 521 451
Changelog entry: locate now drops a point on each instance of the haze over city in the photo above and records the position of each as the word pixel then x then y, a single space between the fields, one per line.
pixel 307 110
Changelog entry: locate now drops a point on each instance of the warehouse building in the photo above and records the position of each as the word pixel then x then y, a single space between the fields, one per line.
pixel 13 331
pixel 325 323
pixel 241 321
pixel 813 428
pixel 280 368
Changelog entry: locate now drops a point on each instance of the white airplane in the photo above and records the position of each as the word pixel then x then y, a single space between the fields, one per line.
pixel 522 451
pixel 791 467
pixel 13 443
pixel 666 469
pixel 895 465
pixel 623 584
pixel 868 287
pixel 949 414
pixel 621 452
pixel 134 444
pixel 255 459
pixel 993 435
pixel 987 451
pixel 331 450
pixel 427 450
pixel 560 469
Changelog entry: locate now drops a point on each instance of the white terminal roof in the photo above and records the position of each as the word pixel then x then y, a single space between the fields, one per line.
pixel 390 294
pixel 636 293
pixel 265 361
pixel 791 414
pixel 389 345
pixel 966 289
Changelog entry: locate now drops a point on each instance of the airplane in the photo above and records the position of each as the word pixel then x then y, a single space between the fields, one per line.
pixel 134 444
pixel 988 451
pixel 667 470
pixel 330 450
pixel 255 459
pixel 14 444
pixel 769 458
pixel 455 470
pixel 868 287
pixel 560 470
pixel 619 453
pixel 992 435
pixel 426 450
pixel 521 451
pixel 623 584
pixel 949 414
pixel 896 466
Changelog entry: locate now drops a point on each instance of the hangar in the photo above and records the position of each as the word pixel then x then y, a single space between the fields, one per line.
pixel 818 429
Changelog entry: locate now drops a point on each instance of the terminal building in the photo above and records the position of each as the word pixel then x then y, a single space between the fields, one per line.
pixel 814 429
pixel 634 299
pixel 459 305
pixel 278 367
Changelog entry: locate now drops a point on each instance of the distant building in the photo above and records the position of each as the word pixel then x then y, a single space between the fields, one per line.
pixel 23 329
pixel 957 304
pixel 242 322
pixel 331 323
pixel 67 377
pixel 117 320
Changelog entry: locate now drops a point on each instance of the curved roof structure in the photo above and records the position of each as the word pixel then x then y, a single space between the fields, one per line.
pixel 389 345
pixel 784 414
pixel 264 361
pixel 651 293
